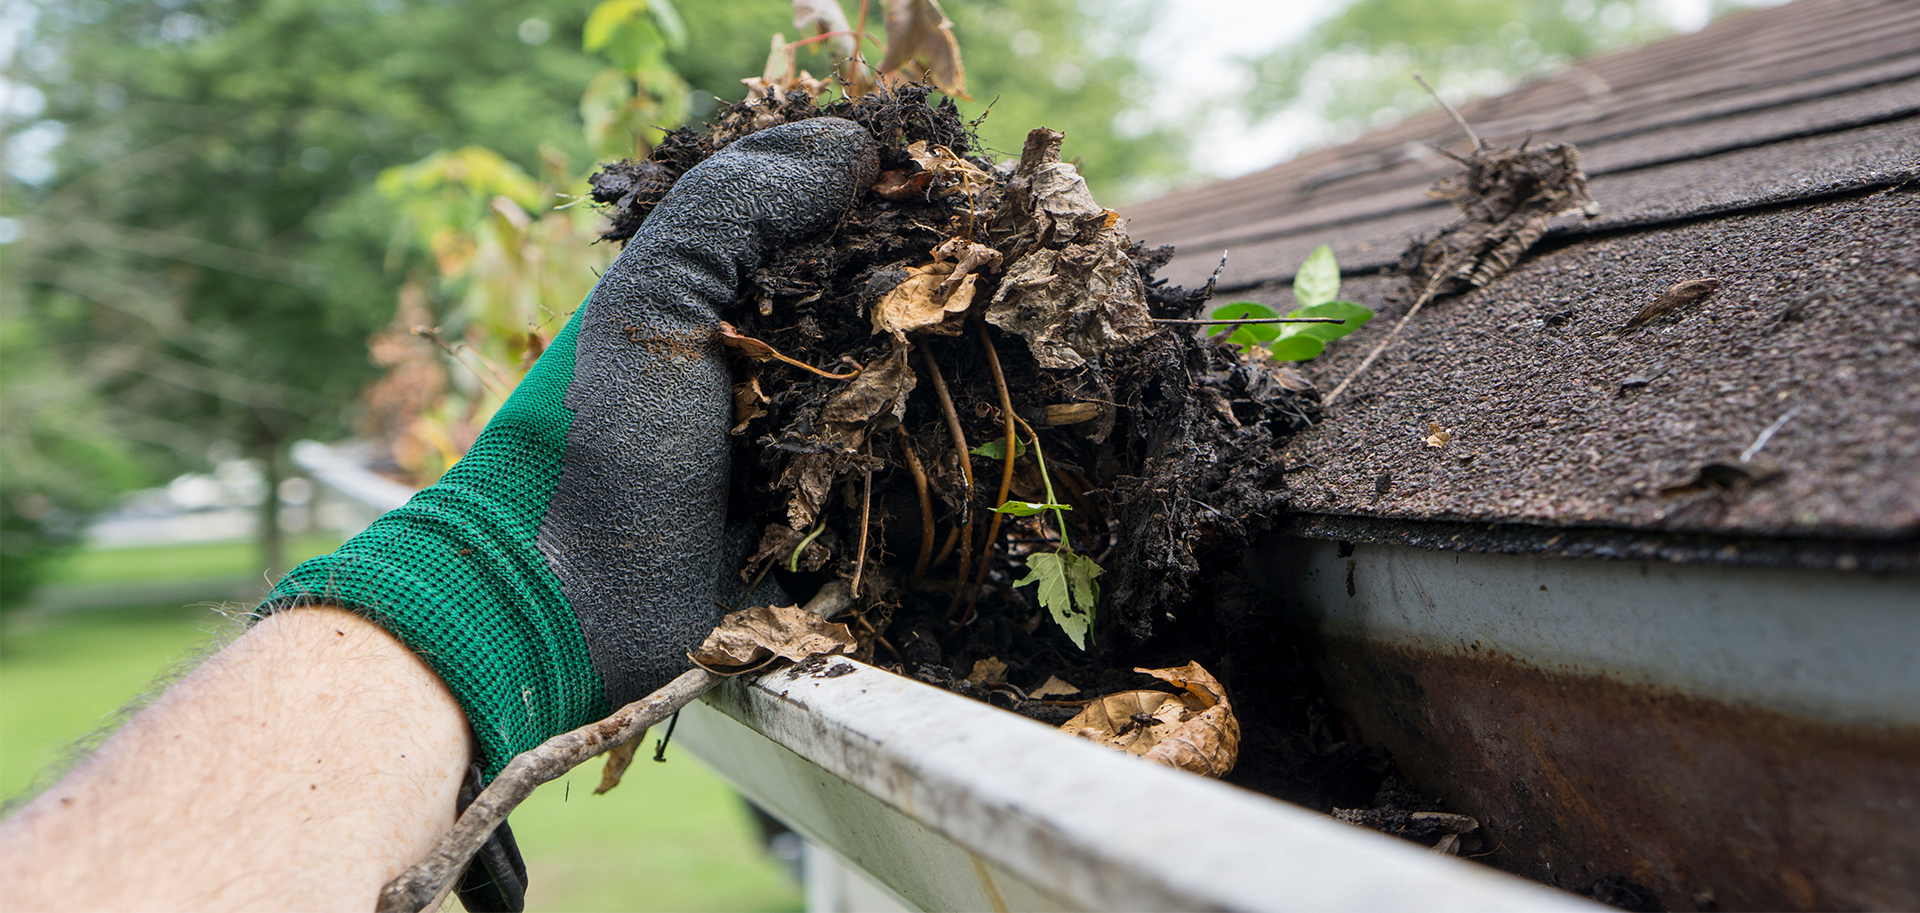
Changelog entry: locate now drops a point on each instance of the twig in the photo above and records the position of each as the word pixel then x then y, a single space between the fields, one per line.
pixel 1195 322
pixel 966 461
pixel 1478 143
pixel 1433 286
pixel 1767 435
pixel 497 385
pixel 413 889
pixel 866 511
pixel 1006 474
pixel 919 474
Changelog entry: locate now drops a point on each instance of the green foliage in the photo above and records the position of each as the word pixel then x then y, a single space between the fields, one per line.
pixel 997 450
pixel 626 107
pixel 1066 589
pixel 1315 287
pixel 1352 68
pixel 62 458
pixel 1065 578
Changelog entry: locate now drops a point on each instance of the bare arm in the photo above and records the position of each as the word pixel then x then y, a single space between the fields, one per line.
pixel 301 767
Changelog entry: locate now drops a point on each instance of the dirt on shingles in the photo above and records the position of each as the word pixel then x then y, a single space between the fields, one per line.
pixel 1560 415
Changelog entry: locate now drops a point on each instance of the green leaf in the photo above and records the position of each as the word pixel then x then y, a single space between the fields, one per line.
pixel 1297 348
pixel 997 450
pixel 1066 590
pixel 1319 278
pixel 670 23
pixel 1248 336
pixel 1354 315
pixel 1028 508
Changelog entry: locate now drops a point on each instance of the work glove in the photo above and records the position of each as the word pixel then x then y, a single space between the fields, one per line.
pixel 569 562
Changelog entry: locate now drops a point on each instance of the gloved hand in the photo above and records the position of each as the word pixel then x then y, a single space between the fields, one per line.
pixel 569 562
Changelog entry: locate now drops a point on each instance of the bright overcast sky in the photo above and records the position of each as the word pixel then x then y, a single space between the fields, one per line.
pixel 1203 39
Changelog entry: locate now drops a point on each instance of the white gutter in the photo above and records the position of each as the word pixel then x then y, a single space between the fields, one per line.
pixel 949 804
pixel 952 804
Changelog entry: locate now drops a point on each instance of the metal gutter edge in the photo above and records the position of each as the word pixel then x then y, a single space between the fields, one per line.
pixel 1874 556
pixel 952 804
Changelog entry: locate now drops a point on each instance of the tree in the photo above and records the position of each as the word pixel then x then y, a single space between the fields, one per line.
pixel 209 256
pixel 1352 68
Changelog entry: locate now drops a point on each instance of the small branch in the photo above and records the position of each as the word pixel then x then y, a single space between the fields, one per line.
pixel 1478 143
pixel 966 460
pixel 1432 286
pixel 919 474
pixel 415 888
pixel 1767 435
pixel 866 512
pixel 1196 322
pixel 1006 474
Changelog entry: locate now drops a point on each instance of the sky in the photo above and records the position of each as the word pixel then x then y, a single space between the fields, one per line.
pixel 1203 39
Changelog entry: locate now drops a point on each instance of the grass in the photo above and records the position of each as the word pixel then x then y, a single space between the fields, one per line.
pixel 200 561
pixel 672 837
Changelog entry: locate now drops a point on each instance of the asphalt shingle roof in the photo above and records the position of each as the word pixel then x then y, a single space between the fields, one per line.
pixel 1777 151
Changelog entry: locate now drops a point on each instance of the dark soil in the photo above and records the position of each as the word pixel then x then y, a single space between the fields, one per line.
pixel 1167 484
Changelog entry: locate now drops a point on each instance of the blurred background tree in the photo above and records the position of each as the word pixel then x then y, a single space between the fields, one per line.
pixel 1351 68
pixel 222 219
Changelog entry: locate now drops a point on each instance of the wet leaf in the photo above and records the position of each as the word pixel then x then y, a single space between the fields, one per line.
pixel 1066 587
pixel 618 760
pixel 1318 280
pixel 1195 731
pixel 749 637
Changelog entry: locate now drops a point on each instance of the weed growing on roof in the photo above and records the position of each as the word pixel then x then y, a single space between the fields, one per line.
pixel 1315 287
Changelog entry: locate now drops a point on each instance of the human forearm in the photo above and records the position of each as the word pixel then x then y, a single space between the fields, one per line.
pixel 301 767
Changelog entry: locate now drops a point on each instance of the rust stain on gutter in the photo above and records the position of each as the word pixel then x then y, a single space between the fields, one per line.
pixel 1581 779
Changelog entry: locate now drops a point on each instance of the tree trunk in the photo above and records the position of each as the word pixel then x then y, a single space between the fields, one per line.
pixel 272 544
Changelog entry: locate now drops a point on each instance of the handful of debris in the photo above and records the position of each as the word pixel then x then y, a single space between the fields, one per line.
pixel 963 383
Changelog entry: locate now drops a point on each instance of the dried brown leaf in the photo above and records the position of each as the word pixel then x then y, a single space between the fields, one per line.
pixel 1438 436
pixel 1195 731
pixel 750 637
pixel 917 305
pixel 919 33
pixel 1054 686
pixel 1673 299
pixel 989 671
pixel 1506 198
pixel 899 185
pixel 749 403
pixel 618 759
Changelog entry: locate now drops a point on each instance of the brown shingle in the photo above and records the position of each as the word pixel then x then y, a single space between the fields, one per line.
pixel 1776 151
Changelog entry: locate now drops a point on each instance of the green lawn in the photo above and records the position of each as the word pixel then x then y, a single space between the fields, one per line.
pixel 200 561
pixel 672 837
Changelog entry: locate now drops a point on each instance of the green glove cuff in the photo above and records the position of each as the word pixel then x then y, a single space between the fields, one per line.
pixel 456 576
